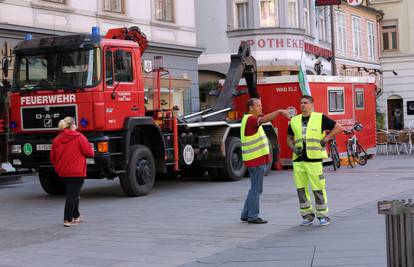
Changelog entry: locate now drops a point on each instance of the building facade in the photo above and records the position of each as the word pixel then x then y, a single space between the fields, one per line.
pixel 168 24
pixel 278 32
pixel 397 59
pixel 356 40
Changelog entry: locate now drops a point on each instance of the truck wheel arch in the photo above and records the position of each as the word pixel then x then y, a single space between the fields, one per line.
pixel 143 131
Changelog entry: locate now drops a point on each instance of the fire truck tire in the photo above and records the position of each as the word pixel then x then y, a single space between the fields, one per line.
pixel 234 168
pixel 51 183
pixel 140 174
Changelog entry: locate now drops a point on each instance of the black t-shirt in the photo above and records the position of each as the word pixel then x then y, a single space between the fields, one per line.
pixel 327 125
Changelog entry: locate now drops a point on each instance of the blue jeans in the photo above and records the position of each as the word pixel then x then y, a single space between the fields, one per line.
pixel 252 204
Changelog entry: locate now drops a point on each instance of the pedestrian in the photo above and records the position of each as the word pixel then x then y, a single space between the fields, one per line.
pixel 307 138
pixel 256 155
pixel 68 155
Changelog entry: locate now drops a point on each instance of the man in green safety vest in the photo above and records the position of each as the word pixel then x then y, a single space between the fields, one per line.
pixel 307 139
pixel 256 155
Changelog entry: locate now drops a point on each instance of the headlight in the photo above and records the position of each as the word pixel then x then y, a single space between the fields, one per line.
pixel 16 149
pixel 90 161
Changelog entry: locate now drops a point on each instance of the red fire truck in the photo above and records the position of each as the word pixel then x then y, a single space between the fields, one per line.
pixel 345 99
pixel 99 82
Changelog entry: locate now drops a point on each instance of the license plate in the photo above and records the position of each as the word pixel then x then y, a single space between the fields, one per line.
pixel 44 147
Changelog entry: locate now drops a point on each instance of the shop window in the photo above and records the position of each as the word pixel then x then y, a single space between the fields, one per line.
pixel 359 98
pixel 336 100
pixel 410 107
pixel 164 10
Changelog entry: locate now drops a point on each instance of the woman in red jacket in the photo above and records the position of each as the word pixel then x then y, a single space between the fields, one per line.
pixel 68 155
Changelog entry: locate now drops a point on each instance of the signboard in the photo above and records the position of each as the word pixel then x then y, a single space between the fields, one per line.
pixel 147 65
pixel 287 43
pixel 328 2
pixel 354 2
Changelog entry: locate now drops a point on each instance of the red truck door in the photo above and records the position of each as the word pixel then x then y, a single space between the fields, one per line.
pixel 364 105
pixel 121 86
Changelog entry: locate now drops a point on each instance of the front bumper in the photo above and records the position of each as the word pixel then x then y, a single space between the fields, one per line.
pixel 35 154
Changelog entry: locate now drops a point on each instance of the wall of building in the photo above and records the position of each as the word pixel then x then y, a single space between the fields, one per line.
pixel 276 49
pixel 401 60
pixel 175 41
pixel 347 63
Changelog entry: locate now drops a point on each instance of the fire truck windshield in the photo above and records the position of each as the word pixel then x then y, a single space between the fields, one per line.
pixel 57 70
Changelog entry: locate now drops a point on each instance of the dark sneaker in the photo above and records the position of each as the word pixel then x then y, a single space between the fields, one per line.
pixel 324 221
pixel 243 219
pixel 257 221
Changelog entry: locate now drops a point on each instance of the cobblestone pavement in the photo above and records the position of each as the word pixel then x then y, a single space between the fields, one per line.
pixel 195 222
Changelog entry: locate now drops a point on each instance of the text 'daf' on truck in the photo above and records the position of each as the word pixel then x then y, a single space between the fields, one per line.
pixel 99 82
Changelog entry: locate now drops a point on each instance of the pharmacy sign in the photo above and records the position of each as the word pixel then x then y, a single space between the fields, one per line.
pixel 354 2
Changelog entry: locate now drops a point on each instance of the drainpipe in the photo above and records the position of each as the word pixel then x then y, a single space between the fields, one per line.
pixel 333 42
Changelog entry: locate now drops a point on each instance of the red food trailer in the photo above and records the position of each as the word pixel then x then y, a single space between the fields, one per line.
pixel 345 99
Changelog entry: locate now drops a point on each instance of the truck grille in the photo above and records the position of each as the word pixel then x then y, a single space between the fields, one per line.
pixel 46 117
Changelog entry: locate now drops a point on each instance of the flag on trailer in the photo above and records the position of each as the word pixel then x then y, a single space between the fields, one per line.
pixel 303 80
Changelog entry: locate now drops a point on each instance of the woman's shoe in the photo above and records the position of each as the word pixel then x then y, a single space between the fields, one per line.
pixel 78 220
pixel 69 223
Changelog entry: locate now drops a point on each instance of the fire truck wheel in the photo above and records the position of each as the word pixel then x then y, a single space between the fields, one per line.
pixel 140 174
pixel 234 168
pixel 51 183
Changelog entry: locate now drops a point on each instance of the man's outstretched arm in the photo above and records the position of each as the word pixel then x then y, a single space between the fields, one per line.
pixel 272 115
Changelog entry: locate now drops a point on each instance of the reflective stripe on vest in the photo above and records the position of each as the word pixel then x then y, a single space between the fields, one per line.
pixel 314 134
pixel 253 146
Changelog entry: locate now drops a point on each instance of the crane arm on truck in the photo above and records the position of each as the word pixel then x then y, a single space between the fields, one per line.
pixel 133 34
pixel 242 64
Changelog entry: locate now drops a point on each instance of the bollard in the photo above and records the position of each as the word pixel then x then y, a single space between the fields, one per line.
pixel 399 217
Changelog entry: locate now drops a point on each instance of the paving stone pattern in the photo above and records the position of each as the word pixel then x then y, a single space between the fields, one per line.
pixel 195 222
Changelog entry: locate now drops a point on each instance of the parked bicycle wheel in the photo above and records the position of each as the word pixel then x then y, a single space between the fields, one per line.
pixel 361 155
pixel 336 162
pixel 351 155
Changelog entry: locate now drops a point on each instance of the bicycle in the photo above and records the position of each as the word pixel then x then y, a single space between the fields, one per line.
pixel 333 151
pixel 354 150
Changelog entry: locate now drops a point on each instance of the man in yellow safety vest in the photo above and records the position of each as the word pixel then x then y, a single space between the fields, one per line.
pixel 307 139
pixel 256 155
